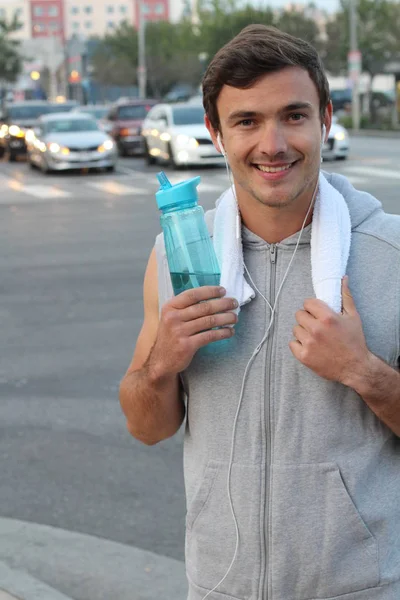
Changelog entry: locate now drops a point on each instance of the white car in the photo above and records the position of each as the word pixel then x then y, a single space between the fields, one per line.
pixel 338 144
pixel 60 142
pixel 176 133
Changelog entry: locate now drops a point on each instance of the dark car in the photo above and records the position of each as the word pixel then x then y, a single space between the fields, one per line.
pixel 18 118
pixel 124 124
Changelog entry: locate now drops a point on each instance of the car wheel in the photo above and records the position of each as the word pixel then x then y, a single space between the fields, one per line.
pixel 1 152
pixel 172 162
pixel 341 157
pixel 12 157
pixel 31 164
pixel 110 169
pixel 150 160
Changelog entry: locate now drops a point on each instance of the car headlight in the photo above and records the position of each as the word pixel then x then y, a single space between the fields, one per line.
pixel 186 142
pixel 16 131
pixel 106 146
pixel 53 147
pixel 340 136
pixel 30 136
pixel 56 148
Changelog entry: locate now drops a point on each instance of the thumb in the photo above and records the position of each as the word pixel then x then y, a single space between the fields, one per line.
pixel 347 299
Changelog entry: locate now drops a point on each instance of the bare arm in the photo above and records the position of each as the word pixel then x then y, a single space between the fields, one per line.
pixel 150 393
pixel 378 384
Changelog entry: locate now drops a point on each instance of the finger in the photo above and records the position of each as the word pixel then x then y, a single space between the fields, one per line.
pixel 300 334
pixel 305 319
pixel 195 295
pixel 212 335
pixel 348 305
pixel 208 307
pixel 295 348
pixel 209 322
pixel 317 308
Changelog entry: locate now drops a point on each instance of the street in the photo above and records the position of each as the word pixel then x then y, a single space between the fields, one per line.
pixel 74 249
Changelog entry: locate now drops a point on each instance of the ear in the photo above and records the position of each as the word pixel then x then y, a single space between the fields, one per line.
pixel 328 119
pixel 213 133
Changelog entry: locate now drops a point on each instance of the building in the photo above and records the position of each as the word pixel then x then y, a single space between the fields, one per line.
pixel 47 18
pixel 20 9
pixel 96 17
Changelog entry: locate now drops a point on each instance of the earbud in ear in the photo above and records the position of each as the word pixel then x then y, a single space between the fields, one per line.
pixel 323 133
pixel 220 146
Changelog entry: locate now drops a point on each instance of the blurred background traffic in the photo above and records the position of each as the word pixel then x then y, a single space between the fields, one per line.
pixel 97 96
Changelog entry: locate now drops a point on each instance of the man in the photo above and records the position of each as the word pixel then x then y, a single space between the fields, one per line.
pixel 314 468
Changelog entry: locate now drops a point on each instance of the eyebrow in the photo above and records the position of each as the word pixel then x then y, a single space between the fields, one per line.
pixel 249 114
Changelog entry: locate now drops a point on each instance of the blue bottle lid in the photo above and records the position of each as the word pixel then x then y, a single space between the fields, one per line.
pixel 180 193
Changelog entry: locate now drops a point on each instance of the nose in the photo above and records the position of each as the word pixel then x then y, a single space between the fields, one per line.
pixel 272 140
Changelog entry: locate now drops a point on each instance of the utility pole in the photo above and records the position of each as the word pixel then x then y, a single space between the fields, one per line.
pixel 354 59
pixel 141 71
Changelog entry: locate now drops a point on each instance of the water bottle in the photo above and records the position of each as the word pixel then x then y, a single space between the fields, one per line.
pixel 191 257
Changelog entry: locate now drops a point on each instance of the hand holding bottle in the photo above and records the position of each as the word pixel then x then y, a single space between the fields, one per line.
pixel 189 321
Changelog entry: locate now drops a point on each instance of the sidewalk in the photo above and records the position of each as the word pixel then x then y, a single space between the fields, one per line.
pixel 38 562
pixel 375 133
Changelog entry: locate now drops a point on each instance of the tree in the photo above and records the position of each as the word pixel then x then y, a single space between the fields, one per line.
pixel 116 57
pixel 378 39
pixel 10 58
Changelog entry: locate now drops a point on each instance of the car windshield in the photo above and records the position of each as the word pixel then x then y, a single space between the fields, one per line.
pixel 18 113
pixel 60 107
pixel 133 112
pixel 71 126
pixel 188 115
pixel 97 113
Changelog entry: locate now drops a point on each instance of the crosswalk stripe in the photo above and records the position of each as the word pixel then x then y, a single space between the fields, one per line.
pixel 373 172
pixel 45 192
pixel 116 189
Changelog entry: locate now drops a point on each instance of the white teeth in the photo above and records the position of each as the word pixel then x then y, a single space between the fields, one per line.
pixel 273 169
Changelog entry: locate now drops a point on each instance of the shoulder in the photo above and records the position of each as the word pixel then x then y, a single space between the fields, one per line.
pixel 367 215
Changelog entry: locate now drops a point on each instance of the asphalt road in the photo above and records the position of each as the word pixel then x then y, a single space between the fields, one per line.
pixel 73 249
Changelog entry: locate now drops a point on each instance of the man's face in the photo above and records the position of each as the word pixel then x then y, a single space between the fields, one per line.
pixel 271 133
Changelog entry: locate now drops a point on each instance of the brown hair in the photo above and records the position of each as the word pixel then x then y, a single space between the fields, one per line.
pixel 254 52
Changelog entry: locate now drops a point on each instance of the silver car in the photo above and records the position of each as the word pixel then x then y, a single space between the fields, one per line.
pixel 61 141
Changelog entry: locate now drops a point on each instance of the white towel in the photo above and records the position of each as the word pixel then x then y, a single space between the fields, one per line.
pixel 330 245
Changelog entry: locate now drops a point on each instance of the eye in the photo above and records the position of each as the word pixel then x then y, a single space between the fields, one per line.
pixel 297 116
pixel 246 122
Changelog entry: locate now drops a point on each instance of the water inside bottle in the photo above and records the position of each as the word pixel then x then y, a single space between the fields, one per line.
pixel 185 281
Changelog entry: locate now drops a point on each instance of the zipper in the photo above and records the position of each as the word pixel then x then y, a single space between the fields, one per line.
pixel 267 537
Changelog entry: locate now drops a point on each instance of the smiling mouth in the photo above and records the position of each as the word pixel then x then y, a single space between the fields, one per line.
pixel 266 169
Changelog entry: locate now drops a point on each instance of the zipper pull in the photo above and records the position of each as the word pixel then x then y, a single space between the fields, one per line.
pixel 273 253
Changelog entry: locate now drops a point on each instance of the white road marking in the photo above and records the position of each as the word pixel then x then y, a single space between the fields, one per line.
pixel 372 172
pixel 115 188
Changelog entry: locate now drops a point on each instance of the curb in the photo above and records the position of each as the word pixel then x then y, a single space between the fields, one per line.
pixel 18 585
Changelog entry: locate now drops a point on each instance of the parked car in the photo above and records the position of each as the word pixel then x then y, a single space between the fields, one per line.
pixel 74 141
pixel 176 133
pixel 18 118
pixel 124 124
pixel 338 144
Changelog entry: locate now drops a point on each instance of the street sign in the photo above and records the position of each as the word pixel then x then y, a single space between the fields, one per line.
pixel 354 62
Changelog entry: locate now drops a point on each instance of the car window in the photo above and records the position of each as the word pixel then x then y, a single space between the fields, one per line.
pixel 71 126
pixel 16 113
pixel 133 112
pixel 188 115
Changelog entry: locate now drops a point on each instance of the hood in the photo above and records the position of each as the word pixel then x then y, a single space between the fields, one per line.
pixel 197 131
pixel 361 204
pixel 82 139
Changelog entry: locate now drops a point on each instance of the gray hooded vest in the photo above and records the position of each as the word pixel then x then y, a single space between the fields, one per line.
pixel 315 480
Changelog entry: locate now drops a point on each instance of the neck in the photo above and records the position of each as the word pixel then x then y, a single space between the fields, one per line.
pixel 276 224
